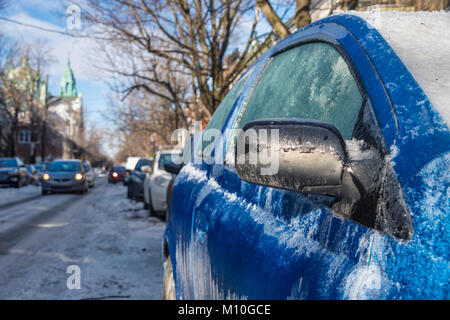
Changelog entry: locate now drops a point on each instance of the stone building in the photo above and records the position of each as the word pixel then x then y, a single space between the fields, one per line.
pixel 57 120
pixel 67 114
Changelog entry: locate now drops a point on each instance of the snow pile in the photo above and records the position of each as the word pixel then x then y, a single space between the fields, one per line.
pixel 8 195
pixel 113 241
pixel 422 41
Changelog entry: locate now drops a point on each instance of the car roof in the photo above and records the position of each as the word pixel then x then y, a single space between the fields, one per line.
pixel 422 41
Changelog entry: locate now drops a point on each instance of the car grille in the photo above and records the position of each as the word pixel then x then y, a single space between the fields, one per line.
pixel 61 179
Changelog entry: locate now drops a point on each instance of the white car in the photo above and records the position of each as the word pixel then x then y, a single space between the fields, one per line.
pixel 90 174
pixel 156 182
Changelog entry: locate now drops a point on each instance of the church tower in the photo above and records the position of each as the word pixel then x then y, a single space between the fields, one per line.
pixel 68 83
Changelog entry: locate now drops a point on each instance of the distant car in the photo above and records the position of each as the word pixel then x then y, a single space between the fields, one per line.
pixel 137 177
pixel 33 174
pixel 13 172
pixel 156 183
pixel 39 168
pixel 334 180
pixel 90 174
pixel 117 174
pixel 65 176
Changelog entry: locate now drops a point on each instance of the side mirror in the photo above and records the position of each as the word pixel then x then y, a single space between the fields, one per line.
pixel 172 167
pixel 146 169
pixel 311 156
pixel 291 154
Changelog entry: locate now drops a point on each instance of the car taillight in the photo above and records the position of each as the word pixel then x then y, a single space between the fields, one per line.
pixel 78 176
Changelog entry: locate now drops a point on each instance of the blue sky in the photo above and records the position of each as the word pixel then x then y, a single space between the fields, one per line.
pixel 50 15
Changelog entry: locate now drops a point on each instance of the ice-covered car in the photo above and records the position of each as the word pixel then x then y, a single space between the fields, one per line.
pixel 156 182
pixel 357 204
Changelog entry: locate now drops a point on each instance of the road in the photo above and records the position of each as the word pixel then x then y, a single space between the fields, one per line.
pixel 110 239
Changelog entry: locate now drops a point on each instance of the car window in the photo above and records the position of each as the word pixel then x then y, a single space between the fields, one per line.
pixel 165 158
pixel 143 162
pixel 311 81
pixel 8 163
pixel 64 166
pixel 119 169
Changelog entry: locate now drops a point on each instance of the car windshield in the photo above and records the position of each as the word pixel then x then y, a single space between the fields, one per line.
pixel 64 166
pixel 166 158
pixel 8 163
pixel 143 162
pixel 118 169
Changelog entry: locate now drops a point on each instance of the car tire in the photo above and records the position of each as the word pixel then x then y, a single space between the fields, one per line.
pixel 44 192
pixel 151 211
pixel 146 206
pixel 168 289
pixel 129 192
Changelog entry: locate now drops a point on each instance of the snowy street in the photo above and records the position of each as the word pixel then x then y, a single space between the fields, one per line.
pixel 112 240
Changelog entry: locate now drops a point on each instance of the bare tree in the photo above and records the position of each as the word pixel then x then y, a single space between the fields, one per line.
pixel 191 39
pixel 301 16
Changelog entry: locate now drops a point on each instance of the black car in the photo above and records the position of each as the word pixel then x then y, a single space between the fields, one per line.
pixel 13 172
pixel 136 180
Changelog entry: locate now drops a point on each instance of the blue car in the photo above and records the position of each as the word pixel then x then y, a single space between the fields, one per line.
pixel 357 204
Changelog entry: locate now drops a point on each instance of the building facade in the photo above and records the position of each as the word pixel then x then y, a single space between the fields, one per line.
pixel 44 127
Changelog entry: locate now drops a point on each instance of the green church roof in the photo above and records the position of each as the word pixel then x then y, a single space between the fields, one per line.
pixel 68 83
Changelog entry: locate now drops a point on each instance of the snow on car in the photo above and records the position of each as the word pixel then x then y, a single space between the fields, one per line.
pixel 365 93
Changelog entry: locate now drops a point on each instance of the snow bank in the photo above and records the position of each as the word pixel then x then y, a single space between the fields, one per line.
pixel 8 195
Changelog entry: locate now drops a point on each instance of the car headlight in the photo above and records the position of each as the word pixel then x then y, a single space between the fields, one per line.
pixel 78 176
pixel 115 175
pixel 46 176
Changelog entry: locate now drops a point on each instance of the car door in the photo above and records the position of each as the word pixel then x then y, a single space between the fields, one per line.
pixel 257 242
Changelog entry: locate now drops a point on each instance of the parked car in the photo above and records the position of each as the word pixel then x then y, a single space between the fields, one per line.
pixel 39 168
pixel 90 174
pixel 13 172
pixel 33 174
pixel 156 183
pixel 65 176
pixel 117 174
pixel 357 207
pixel 136 179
